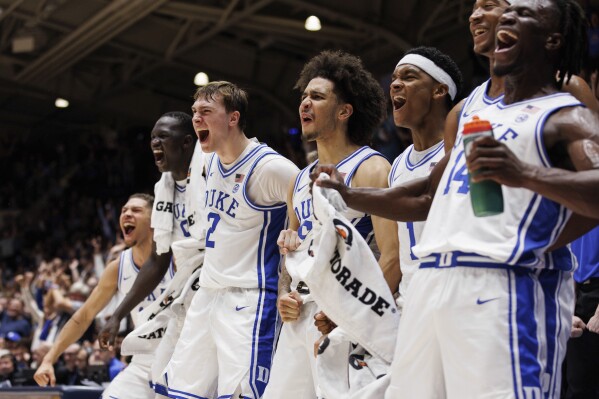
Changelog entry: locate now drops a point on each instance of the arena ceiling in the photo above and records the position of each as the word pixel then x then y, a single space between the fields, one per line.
pixel 123 62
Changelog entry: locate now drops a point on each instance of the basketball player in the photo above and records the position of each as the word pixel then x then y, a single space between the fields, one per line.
pixel 489 283
pixel 341 106
pixel 172 143
pixel 483 20
pixel 117 279
pixel 230 329
pixel 424 85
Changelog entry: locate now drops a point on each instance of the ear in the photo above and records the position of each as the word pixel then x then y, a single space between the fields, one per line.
pixel 554 41
pixel 440 91
pixel 189 140
pixel 234 118
pixel 346 111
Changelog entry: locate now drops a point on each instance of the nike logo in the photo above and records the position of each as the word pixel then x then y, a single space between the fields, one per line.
pixel 480 302
pixel 238 308
pixel 126 278
pixel 302 187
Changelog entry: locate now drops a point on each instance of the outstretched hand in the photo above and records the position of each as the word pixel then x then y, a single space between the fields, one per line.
pixel 490 159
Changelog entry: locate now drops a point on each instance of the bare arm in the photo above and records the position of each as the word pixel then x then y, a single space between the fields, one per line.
pixel 79 322
pixel 452 122
pixel 149 276
pixel 289 303
pixel 407 203
pixel 576 227
pixel 572 142
pixel 581 90
pixel 373 173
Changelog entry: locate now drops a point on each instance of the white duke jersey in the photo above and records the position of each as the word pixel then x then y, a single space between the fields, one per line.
pixel 241 236
pixel 180 227
pixel 128 273
pixel 302 201
pixel 529 223
pixel 476 101
pixel 411 165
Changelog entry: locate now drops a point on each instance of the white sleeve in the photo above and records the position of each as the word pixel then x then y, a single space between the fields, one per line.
pixel 269 182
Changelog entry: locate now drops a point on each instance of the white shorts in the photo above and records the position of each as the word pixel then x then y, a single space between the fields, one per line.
pixel 293 373
pixel 227 342
pixel 133 382
pixel 163 355
pixel 469 332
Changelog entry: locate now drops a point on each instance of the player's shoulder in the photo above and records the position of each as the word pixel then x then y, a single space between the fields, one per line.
pixel 373 172
pixel 572 122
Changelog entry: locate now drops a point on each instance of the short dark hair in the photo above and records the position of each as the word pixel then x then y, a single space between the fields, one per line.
pixel 183 120
pixel 354 85
pixel 146 197
pixel 573 27
pixel 447 64
pixel 234 98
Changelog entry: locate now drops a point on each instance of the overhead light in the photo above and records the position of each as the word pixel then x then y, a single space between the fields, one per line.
pixel 201 79
pixel 312 23
pixel 61 103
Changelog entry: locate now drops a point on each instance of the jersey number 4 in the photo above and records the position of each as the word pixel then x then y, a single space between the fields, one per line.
pixel 214 218
pixel 460 176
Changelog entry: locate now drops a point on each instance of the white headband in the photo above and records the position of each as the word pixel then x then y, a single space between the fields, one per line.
pixel 432 69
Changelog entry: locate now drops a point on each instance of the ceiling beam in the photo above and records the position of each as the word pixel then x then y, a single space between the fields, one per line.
pixel 13 6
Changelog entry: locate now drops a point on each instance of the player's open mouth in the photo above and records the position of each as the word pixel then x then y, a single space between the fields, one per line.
pixel 479 31
pixel 306 118
pixel 128 228
pixel 398 103
pixel 505 40
pixel 203 135
pixel 158 157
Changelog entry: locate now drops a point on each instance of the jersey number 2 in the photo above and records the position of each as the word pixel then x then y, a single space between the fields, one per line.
pixel 215 218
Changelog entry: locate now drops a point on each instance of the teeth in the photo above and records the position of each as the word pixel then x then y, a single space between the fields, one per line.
pixel 157 151
pixel 479 31
pixel 507 36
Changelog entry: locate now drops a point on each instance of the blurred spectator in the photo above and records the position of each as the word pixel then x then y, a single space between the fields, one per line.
pixel 106 358
pixel 13 320
pixel 7 368
pixel 67 371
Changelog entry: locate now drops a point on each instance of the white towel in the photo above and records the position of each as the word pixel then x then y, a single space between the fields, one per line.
pixel 173 302
pixel 194 194
pixel 162 220
pixel 347 283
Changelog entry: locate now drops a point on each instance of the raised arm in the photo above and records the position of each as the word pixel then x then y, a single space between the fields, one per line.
pixel 149 276
pixel 451 126
pixel 408 203
pixel 79 322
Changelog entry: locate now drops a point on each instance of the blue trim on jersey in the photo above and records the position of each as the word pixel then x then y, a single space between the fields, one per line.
pixel 502 105
pixel 424 160
pixel 121 263
pixel 265 323
pixel 547 214
pixel 394 167
pixel 523 222
pixel 526 326
pixel 550 282
pixel 511 333
pixel 586 250
pixel 176 394
pixel 351 156
pixel 364 226
pixel 135 267
pixel 301 174
pixel 226 173
pixel 209 169
pixel 351 174
pixel 179 188
pixel 159 389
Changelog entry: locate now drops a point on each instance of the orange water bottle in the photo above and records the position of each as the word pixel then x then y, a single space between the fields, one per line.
pixel 486 196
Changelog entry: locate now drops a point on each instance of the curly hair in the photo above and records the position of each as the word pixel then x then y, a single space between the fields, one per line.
pixel 354 85
pixel 447 64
